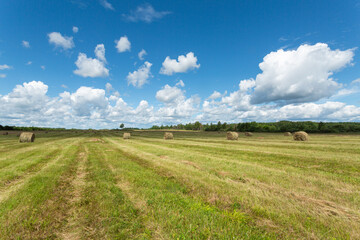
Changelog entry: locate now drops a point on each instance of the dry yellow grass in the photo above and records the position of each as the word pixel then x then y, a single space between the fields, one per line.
pixel 197 186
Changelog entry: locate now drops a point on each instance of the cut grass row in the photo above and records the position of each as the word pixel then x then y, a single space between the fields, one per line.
pixel 187 188
pixel 166 201
pixel 35 209
pixel 286 201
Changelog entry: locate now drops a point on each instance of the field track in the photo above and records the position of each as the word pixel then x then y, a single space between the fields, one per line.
pixel 96 185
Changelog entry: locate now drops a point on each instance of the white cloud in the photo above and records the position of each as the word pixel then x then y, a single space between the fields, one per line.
pixel 25 44
pixel 238 100
pixel 61 41
pixel 29 63
pixel 42 67
pixel 92 67
pixel 345 92
pixel 106 5
pixel 215 95
pixel 86 99
pixel 75 29
pixel 108 87
pixel 24 99
pixel 141 54
pixel 176 105
pixel 2 75
pixel 113 98
pixel 64 86
pixel 180 83
pixel 145 13
pixel 183 64
pixel 301 75
pixel 4 67
pixel 100 52
pixel 123 44
pixel 140 77
pixel 356 81
pixel 170 94
pixel 328 111
pixel 87 107
pixel 247 84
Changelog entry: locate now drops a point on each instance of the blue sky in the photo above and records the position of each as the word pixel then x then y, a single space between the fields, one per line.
pixel 231 61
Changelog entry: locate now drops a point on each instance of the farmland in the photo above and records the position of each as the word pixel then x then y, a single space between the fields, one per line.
pixel 96 185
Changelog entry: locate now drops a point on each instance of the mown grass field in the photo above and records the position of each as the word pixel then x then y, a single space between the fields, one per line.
pixel 95 185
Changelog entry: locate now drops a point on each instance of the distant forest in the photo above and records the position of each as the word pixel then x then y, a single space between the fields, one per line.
pixel 14 128
pixel 282 126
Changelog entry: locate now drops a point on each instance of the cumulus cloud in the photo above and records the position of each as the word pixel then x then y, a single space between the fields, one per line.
pixel 311 66
pixel 345 92
pixel 301 75
pixel 170 94
pixel 123 44
pixel 141 54
pixel 24 99
pixel 25 44
pixel 329 111
pixel 106 5
pixel 86 99
pixel 92 67
pixel 58 40
pixel 75 29
pixel 4 67
pixel 2 75
pixel 247 84
pixel 180 83
pixel 140 77
pixel 88 107
pixel 108 87
pixel 176 105
pixel 100 52
pixel 216 95
pixel 183 64
pixel 356 81
pixel 145 13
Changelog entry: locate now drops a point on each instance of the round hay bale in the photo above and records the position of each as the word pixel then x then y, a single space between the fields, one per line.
pixel 248 134
pixel 287 134
pixel 301 136
pixel 168 135
pixel 5 133
pixel 126 136
pixel 232 136
pixel 27 137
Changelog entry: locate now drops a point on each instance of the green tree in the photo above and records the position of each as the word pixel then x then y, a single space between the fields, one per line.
pixel 197 125
pixel 122 125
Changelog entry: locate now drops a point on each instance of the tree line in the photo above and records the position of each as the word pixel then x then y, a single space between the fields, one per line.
pixel 281 126
pixel 14 128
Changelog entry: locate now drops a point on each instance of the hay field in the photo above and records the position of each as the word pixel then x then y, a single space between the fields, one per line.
pixel 97 185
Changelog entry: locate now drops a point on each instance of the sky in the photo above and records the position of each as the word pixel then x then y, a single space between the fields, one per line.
pixel 99 63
